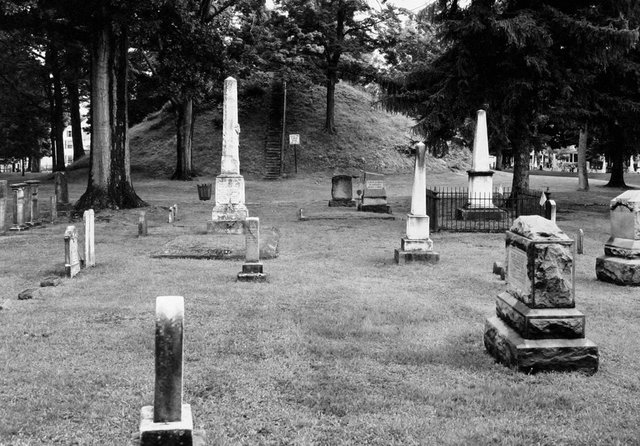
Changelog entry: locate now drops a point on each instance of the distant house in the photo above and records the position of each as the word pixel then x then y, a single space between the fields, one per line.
pixel 67 141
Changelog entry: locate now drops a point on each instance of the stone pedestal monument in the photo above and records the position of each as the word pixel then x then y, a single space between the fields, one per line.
pixel 229 212
pixel 252 270
pixel 537 327
pixel 480 195
pixel 417 246
pixel 620 263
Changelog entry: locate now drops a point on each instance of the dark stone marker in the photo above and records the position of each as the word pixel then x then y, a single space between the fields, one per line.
pixel 61 188
pixel 536 327
pixel 168 421
pixel 142 224
pixel 341 191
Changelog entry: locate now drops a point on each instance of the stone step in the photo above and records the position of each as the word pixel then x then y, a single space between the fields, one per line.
pixel 532 323
pixel 538 355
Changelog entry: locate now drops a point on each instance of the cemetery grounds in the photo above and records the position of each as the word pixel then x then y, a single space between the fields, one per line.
pixel 340 347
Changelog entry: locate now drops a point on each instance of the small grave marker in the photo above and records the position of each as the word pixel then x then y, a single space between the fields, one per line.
pixel 374 194
pixel 3 215
pixel 252 269
pixel 89 238
pixel 142 224
pixel 34 210
pixel 71 256
pixel 168 421
pixel 171 214
pixel 61 188
pixel 18 207
pixel 54 208
pixel 580 241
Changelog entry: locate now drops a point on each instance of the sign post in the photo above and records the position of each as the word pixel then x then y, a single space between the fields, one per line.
pixel 294 140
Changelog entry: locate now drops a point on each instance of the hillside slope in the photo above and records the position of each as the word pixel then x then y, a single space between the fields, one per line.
pixel 368 137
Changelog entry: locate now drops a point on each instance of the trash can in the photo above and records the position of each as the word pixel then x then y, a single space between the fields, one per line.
pixel 204 191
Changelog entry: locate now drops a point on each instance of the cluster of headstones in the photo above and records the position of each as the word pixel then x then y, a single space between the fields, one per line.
pixel 26 203
pixel 73 262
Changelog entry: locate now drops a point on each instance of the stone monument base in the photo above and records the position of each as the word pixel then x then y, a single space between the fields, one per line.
pixel 177 433
pixel 531 356
pixel 480 214
pixel 342 202
pixel 379 208
pixel 416 256
pixel 252 272
pixel 618 270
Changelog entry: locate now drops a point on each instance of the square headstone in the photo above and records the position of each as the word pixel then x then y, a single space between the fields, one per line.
pixel 341 191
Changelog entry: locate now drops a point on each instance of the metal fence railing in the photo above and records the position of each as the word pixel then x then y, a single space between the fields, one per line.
pixel 452 209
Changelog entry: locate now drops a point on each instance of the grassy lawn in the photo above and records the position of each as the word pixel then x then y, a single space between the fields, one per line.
pixel 341 346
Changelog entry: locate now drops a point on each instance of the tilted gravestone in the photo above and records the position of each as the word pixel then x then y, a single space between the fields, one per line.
pixel 620 263
pixel 252 269
pixel 168 421
pixel 342 191
pixel 374 194
pixel 71 256
pixel 89 238
pixel 537 327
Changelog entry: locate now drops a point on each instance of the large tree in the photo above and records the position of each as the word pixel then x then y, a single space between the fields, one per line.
pixel 518 58
pixel 334 34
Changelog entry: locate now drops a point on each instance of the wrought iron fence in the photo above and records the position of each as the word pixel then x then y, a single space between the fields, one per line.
pixel 452 209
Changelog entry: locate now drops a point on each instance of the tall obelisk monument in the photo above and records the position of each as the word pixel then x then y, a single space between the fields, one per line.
pixel 230 212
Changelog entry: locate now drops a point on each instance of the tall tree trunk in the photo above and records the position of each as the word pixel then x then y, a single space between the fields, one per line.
pixel 520 180
pixel 498 158
pixel 35 164
pixel 73 93
pixel 184 140
pixel 332 80
pixel 57 124
pixel 617 168
pixel 583 175
pixel 109 184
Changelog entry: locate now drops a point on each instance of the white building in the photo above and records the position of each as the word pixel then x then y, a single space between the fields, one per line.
pixel 67 141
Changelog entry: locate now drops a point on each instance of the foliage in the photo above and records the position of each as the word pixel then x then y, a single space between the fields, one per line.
pixel 524 61
pixel 24 114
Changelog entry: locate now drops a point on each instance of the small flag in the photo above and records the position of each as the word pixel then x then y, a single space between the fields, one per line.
pixel 543 199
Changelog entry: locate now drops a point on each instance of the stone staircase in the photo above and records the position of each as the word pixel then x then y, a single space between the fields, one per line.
pixel 273 140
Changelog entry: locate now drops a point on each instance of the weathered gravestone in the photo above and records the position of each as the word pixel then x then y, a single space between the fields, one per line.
pixel 71 256
pixel 480 194
pixel 374 194
pixel 621 262
pixel 61 189
pixel 4 189
pixel 34 211
pixel 89 238
pixel 3 215
pixel 341 191
pixel 252 270
pixel 168 422
pixel 229 212
pixel 18 207
pixel 537 327
pixel 417 246
pixel 142 224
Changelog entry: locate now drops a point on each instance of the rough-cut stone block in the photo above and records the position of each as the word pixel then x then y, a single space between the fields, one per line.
pixel 481 214
pixel 530 356
pixel 402 257
pixel 407 244
pixel 531 323
pixel 342 202
pixel 538 228
pixel 51 281
pixel 28 294
pixel 618 270
pixel 540 272
pixel 176 433
pixel 622 247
